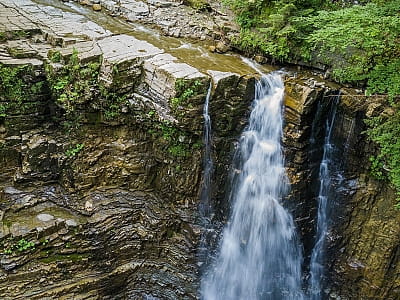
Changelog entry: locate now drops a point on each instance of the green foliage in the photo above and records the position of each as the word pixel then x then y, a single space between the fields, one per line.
pixel 169 132
pixel 3 109
pixel 178 150
pixel 21 246
pixel 360 42
pixel 385 78
pixel 18 88
pixel 74 83
pixel 13 84
pixel 71 152
pixel 55 56
pixel 184 91
pixel 24 245
pixel 112 104
pixel 357 41
pixel 385 132
pixel 174 137
pixel 151 113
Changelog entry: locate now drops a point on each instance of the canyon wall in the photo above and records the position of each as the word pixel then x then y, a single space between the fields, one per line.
pixel 101 152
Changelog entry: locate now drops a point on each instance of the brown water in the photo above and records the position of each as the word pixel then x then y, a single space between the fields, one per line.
pixel 195 54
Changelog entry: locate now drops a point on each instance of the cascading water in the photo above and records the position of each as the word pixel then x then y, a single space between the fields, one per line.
pixel 205 198
pixel 259 255
pixel 205 205
pixel 325 190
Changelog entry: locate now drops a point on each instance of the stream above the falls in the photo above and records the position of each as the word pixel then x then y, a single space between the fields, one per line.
pixel 194 53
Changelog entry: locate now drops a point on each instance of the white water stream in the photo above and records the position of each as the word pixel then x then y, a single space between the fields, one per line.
pixel 259 255
pixel 325 190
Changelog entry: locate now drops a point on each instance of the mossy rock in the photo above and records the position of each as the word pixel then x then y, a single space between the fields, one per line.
pixel 197 4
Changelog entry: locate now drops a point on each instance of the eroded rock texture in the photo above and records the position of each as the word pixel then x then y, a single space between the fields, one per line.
pixel 101 153
pixel 101 159
pixel 363 240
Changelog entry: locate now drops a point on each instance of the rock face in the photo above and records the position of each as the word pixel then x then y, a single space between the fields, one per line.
pixel 363 239
pixel 101 152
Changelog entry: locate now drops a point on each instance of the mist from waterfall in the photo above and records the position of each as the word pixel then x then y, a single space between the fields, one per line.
pixel 259 255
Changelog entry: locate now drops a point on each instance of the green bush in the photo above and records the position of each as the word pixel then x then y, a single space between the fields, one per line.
pixel 74 83
pixel 71 152
pixel 360 42
pixel 385 132
pixel 184 91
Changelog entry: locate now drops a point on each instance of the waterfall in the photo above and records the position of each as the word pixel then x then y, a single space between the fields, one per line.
pixel 205 197
pixel 325 190
pixel 259 255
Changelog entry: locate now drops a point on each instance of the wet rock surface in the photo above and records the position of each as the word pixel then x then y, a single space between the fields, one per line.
pixel 362 242
pixel 189 19
pixel 101 152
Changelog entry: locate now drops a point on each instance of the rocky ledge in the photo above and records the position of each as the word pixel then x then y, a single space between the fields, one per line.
pixel 101 152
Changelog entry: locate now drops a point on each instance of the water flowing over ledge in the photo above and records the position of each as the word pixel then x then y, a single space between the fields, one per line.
pixel 259 256
pixel 324 197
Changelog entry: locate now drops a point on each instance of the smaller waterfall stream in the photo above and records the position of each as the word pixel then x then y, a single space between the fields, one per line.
pixel 325 189
pixel 208 164
pixel 259 255
pixel 205 208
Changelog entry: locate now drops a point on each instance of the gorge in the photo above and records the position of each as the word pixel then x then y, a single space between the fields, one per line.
pixel 111 189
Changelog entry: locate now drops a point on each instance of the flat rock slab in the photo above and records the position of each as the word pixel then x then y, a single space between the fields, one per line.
pixel 123 47
pixel 60 27
pixel 45 217
pixel 162 72
pixel 12 21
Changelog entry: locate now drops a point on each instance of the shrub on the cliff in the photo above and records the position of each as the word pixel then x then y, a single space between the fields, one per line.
pixel 71 152
pixel 385 132
pixel 74 83
pixel 19 88
pixel 356 41
pixel 185 89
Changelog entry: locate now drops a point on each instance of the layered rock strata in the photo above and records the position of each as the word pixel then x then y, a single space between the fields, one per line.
pixel 363 240
pixel 101 152
pixel 101 147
